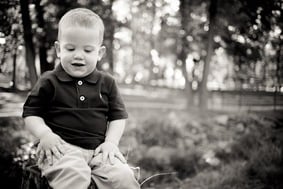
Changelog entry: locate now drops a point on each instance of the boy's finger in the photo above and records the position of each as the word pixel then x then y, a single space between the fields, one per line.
pixel 97 150
pixel 61 149
pixel 104 156
pixel 49 157
pixel 40 156
pixel 38 150
pixel 121 157
pixel 111 158
pixel 56 152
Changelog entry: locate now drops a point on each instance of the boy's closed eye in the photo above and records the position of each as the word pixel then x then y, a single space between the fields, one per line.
pixel 69 47
pixel 88 49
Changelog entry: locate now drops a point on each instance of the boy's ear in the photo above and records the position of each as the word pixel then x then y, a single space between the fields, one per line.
pixel 101 52
pixel 57 48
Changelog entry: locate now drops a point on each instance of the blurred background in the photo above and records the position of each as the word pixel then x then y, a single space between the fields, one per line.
pixel 201 79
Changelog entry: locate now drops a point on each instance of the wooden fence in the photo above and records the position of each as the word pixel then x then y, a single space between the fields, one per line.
pixel 156 97
pixel 249 100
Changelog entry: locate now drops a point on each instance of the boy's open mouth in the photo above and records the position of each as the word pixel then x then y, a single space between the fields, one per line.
pixel 77 64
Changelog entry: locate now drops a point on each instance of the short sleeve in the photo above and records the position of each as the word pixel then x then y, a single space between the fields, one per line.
pixel 38 99
pixel 117 108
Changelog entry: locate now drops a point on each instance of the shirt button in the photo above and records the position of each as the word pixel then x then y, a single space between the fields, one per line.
pixel 80 82
pixel 82 98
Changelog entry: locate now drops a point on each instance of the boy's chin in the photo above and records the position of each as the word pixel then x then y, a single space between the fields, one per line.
pixel 78 74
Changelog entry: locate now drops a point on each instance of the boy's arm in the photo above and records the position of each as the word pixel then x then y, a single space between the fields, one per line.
pixel 109 148
pixel 50 144
pixel 36 126
pixel 115 131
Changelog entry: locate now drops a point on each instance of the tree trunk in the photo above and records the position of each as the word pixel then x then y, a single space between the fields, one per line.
pixel 44 65
pixel 112 32
pixel 279 61
pixel 278 74
pixel 152 42
pixel 14 83
pixel 203 93
pixel 182 55
pixel 29 46
pixel 110 46
pixel 109 35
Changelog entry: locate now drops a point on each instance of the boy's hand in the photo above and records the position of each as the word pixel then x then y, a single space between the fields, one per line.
pixel 50 147
pixel 109 151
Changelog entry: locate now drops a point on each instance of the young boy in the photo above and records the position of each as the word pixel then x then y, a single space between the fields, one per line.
pixel 77 113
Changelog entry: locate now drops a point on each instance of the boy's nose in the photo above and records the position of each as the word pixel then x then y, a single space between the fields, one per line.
pixel 78 55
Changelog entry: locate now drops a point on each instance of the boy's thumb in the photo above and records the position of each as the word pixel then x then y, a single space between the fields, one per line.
pixel 97 150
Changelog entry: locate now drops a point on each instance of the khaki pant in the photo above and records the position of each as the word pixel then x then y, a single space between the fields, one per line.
pixel 78 166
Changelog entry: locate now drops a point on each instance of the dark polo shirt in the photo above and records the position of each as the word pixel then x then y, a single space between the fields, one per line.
pixel 78 110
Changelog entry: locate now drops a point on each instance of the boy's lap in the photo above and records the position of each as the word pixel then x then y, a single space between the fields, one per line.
pixel 78 157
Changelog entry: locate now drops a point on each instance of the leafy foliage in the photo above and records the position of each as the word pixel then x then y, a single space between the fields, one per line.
pixel 12 136
pixel 156 43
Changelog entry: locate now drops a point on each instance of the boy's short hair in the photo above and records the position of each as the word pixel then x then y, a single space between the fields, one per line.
pixel 82 17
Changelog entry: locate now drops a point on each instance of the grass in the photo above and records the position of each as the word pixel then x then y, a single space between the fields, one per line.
pixel 209 150
pixel 182 149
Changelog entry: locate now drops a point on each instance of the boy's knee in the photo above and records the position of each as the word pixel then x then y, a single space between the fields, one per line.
pixel 123 171
pixel 68 174
pixel 123 177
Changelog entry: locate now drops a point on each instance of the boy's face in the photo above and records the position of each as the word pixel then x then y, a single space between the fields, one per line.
pixel 79 49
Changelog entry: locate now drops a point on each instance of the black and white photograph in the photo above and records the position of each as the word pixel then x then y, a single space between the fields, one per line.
pixel 141 94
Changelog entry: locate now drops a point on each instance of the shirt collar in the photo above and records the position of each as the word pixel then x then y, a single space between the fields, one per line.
pixel 63 76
